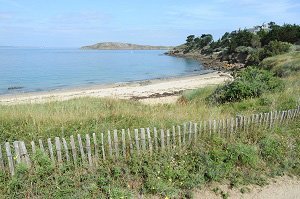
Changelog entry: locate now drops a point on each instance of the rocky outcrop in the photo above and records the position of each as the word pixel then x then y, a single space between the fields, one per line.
pixel 123 46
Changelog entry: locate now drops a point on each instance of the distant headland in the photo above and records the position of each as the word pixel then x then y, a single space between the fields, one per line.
pixel 123 46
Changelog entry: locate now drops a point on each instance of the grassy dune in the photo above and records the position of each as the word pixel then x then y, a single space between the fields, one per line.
pixel 249 159
pixel 30 122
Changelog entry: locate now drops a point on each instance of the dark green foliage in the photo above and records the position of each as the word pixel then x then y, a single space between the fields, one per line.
pixel 240 38
pixel 274 48
pixel 286 33
pixel 249 83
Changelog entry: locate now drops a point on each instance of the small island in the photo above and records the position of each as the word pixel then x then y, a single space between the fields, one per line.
pixel 123 46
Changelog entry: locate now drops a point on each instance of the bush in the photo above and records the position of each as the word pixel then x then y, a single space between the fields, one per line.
pixel 275 48
pixel 251 82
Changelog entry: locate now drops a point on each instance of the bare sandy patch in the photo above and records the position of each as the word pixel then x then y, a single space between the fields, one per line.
pixel 280 188
pixel 146 91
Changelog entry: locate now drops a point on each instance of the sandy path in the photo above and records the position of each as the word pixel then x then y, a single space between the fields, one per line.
pixel 280 188
pixel 144 91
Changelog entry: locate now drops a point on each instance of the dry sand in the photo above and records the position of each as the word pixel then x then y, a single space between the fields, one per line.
pixel 280 188
pixel 150 91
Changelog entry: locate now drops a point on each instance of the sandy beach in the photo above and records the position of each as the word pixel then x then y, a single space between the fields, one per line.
pixel 148 91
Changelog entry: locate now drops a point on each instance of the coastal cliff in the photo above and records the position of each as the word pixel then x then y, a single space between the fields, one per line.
pixel 123 46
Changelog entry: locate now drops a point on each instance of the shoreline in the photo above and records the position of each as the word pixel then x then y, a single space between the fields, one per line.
pixel 136 90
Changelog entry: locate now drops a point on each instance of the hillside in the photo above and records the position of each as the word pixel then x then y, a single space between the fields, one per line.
pixel 123 46
pixel 240 48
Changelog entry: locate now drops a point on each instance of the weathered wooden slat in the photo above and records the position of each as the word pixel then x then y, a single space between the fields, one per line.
pixel 204 128
pixel 219 129
pixel 1 159
pixel 149 141
pixel 215 127
pixel 66 149
pixel 33 148
pixel 130 141
pixel 231 126
pixel 236 125
pixel 58 150
pixel 123 143
pixel 195 132
pixel 136 137
pixel 184 133
pixel 96 149
pixel 24 153
pixel 102 147
pixel 50 147
pixel 17 152
pixel 174 135
pixel 210 127
pixel 168 139
pixel 88 149
pixel 143 139
pixel 190 131
pixel 10 159
pixel 83 158
pixel 41 145
pixel 73 148
pixel 162 139
pixel 155 138
pixel 116 143
pixel 179 136
pixel 109 144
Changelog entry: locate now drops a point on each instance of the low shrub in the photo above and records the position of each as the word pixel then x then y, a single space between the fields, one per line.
pixel 249 83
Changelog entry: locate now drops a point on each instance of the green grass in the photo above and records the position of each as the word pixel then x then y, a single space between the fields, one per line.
pixel 240 161
pixel 249 159
pixel 283 65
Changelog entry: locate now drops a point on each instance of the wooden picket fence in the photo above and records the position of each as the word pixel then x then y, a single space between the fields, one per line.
pixel 125 143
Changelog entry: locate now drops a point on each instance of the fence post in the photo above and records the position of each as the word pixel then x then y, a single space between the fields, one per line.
pixel 17 151
pixel 116 143
pixel 123 143
pixel 195 132
pixel 81 148
pixel 184 133
pixel 41 145
pixel 143 139
pixel 179 136
pixel 168 139
pixel 50 149
pixel 10 159
pixel 73 148
pixel 162 139
pixel 190 132
pixel 33 147
pixel 96 156
pixel 109 144
pixel 174 135
pixel 130 141
pixel 102 147
pixel 66 149
pixel 25 153
pixel 1 159
pixel 58 150
pixel 88 148
pixel 136 136
pixel 155 138
pixel 149 140
pixel 215 127
pixel 210 128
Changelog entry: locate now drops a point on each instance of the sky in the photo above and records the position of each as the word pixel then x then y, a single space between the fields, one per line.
pixel 74 23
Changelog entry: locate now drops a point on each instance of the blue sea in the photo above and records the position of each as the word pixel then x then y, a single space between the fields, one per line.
pixel 40 69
